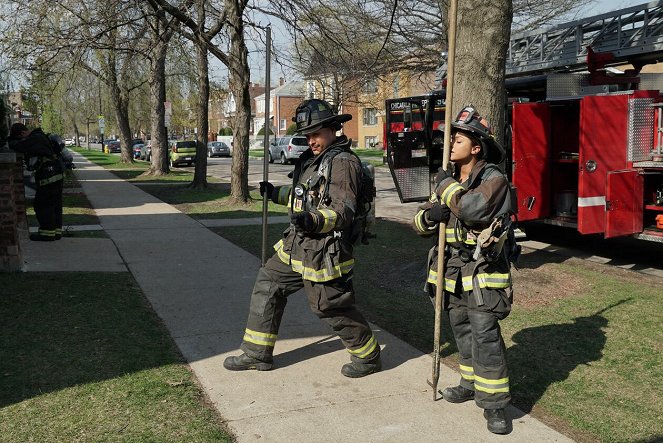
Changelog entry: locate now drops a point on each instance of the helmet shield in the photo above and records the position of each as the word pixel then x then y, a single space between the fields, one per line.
pixel 312 115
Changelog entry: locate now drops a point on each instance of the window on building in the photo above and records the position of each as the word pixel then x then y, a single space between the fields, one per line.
pixel 370 117
pixel 282 124
pixel 260 106
pixel 370 142
pixel 370 87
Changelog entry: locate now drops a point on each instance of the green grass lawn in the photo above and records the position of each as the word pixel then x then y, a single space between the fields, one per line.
pixel 76 210
pixel 584 341
pixel 84 358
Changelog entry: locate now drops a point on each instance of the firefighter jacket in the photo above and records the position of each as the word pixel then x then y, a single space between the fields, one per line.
pixel 326 253
pixel 39 157
pixel 474 205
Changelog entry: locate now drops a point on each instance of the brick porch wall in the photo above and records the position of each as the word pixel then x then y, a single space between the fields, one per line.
pixel 11 173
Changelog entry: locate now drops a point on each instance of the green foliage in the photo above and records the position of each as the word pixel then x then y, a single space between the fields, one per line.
pixel 226 131
pixel 262 131
pixel 292 129
pixel 51 120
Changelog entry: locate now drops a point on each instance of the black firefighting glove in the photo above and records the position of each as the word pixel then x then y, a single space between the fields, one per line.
pixel 443 174
pixel 304 221
pixel 439 213
pixel 266 188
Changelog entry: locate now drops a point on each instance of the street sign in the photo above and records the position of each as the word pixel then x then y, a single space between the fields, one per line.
pixel 102 123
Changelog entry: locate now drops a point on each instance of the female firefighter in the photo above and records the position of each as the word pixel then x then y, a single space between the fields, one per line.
pixel 475 201
pixel 316 250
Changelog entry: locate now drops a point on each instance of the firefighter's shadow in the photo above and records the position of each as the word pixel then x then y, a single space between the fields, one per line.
pixel 545 355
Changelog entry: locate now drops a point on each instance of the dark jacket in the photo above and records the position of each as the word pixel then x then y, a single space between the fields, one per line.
pixel 326 254
pixel 38 151
pixel 474 204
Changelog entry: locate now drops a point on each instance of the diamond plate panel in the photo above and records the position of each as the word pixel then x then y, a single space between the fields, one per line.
pixel 414 183
pixel 651 82
pixel 563 86
pixel 640 129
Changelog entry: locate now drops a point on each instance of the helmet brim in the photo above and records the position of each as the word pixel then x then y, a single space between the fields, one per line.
pixel 341 118
pixel 494 152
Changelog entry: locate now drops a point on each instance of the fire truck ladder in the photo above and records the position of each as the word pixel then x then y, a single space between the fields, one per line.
pixel 632 35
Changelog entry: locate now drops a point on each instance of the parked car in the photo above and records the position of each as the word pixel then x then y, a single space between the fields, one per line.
pixel 137 150
pixel 180 152
pixel 146 151
pixel 287 149
pixel 219 149
pixel 69 142
pixel 113 146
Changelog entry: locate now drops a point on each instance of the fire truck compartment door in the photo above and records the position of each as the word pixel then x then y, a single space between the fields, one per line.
pixel 530 145
pixel 623 215
pixel 408 162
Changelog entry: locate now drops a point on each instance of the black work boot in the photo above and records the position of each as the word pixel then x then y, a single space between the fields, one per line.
pixel 244 362
pixel 457 394
pixel 496 421
pixel 357 369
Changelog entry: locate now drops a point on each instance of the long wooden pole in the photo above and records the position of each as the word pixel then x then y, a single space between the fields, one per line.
pixel 441 244
pixel 267 131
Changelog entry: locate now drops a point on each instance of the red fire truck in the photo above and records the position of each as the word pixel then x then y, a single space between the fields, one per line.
pixel 585 139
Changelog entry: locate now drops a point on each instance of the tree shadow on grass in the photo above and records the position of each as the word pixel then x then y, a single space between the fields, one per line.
pixel 544 355
pixel 59 330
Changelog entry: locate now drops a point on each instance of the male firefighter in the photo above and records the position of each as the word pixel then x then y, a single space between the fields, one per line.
pixel 49 178
pixel 316 250
pixel 474 201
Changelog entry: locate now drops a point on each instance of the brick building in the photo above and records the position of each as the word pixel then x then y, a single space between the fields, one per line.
pixel 284 100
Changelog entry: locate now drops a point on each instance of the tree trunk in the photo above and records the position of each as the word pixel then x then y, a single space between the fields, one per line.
pixel 121 106
pixel 239 76
pixel 76 134
pixel 158 140
pixel 482 39
pixel 200 173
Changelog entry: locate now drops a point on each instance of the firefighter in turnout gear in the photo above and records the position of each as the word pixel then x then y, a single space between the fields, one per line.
pixel 49 177
pixel 475 202
pixel 315 252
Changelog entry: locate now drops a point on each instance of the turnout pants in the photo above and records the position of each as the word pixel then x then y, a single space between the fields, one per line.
pixel 48 208
pixel 332 301
pixel 482 359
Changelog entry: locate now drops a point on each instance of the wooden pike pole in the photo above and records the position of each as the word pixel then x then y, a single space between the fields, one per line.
pixel 267 131
pixel 441 245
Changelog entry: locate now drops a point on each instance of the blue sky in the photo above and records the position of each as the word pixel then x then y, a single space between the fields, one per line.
pixel 602 6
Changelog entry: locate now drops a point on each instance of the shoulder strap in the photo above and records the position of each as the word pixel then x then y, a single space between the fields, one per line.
pixel 326 165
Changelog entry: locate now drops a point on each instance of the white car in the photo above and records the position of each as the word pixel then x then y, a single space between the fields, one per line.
pixel 69 142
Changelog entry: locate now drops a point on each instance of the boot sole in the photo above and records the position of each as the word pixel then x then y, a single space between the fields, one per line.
pixel 257 367
pixel 456 399
pixel 362 374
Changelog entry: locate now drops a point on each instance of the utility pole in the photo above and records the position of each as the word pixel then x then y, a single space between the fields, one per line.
pixel 101 119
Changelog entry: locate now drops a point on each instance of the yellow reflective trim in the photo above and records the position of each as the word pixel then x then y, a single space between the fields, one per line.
pixel 258 341
pixel 449 192
pixel 490 390
pixel 278 247
pixel 330 219
pixel 497 381
pixel 55 178
pixel 419 223
pixel 495 280
pixel 467 283
pixel 365 350
pixel 260 334
pixel 466 368
pixel 449 284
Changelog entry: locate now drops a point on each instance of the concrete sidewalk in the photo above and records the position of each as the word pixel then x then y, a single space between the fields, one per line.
pixel 200 285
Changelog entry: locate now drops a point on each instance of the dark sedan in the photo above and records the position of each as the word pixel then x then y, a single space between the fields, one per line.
pixel 218 149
